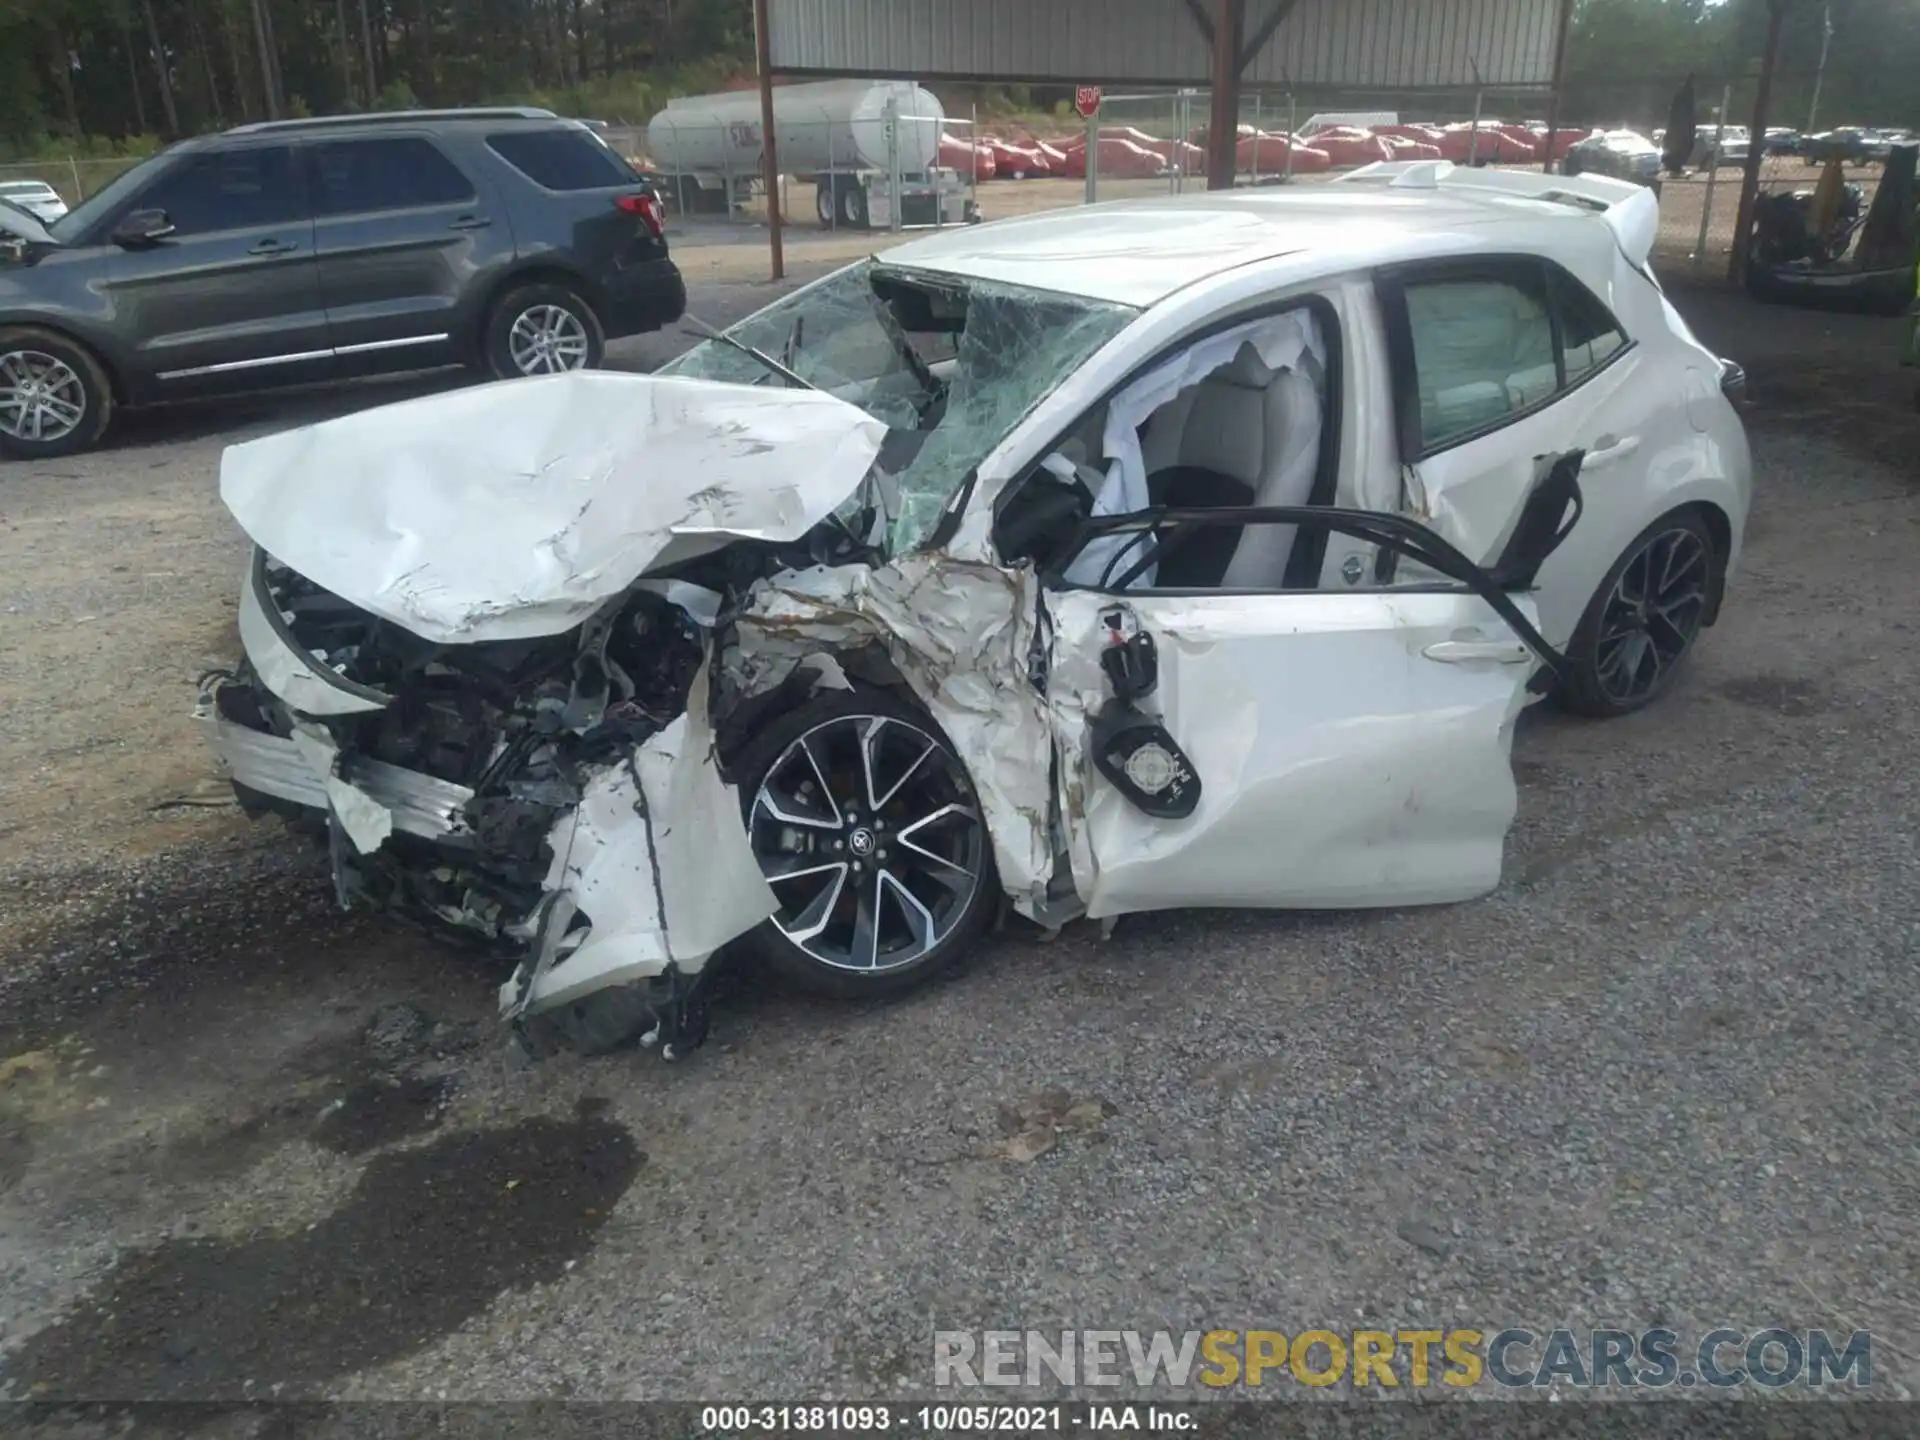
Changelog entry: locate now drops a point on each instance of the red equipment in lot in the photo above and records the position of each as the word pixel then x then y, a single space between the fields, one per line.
pixel 1258 150
pixel 1406 148
pixel 1347 147
pixel 1496 145
pixel 1120 159
pixel 1016 161
pixel 977 161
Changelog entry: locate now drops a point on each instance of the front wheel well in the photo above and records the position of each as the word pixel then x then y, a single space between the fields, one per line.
pixel 115 381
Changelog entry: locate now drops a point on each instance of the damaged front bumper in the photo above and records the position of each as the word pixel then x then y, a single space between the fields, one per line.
pixel 596 845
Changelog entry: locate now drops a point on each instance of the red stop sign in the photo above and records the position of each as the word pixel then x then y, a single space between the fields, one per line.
pixel 1086 100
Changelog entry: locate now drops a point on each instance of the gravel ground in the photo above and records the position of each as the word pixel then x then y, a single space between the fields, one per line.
pixel 249 1146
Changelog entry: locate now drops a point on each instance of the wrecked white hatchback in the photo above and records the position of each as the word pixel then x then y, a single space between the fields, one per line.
pixel 1156 554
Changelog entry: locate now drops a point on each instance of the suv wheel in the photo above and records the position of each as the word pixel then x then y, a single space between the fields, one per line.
pixel 542 330
pixel 54 397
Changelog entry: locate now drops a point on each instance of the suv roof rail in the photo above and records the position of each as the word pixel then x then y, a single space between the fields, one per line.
pixel 398 117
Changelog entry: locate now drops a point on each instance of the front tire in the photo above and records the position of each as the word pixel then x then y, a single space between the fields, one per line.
pixel 867 826
pixel 542 329
pixel 54 395
pixel 1643 621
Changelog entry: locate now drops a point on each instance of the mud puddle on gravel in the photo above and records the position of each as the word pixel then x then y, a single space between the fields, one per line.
pixel 425 1241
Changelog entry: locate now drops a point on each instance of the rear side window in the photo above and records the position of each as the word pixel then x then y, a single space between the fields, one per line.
pixel 1589 335
pixel 398 172
pixel 228 190
pixel 562 159
pixel 1482 350
pixel 1483 343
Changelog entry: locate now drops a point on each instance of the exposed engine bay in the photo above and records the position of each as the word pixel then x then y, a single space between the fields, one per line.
pixel 519 723
pixel 517 730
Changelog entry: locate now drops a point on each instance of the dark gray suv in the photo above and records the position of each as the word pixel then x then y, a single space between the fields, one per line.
pixel 306 250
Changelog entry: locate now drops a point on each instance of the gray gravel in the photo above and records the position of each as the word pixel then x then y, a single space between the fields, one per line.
pixel 1665 1076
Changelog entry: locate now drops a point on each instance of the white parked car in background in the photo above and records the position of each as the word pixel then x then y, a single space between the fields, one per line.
pixel 1190 551
pixel 36 197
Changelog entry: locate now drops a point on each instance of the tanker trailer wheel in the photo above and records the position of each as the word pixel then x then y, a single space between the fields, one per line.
pixel 853 204
pixel 823 201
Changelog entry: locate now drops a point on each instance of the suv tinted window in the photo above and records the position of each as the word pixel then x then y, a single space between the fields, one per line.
pixel 1482 350
pixel 228 190
pixel 400 172
pixel 562 159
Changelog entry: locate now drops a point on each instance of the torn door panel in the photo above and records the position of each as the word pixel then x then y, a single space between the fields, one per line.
pixel 960 634
pixel 1341 764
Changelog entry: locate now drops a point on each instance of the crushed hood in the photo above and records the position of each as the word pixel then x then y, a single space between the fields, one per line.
pixel 515 509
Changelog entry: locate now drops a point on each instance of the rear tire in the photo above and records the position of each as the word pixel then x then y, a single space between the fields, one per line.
pixel 542 329
pixel 1642 622
pixel 54 395
pixel 874 901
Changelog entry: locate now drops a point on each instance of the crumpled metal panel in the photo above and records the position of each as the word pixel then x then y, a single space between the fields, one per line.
pixel 515 510
pixel 960 634
pixel 419 804
pixel 656 857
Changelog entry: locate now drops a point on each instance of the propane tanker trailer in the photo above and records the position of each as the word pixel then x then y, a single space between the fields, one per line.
pixel 859 142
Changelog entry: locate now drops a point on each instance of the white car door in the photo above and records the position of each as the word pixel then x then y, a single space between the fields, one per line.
pixel 1500 366
pixel 1348 748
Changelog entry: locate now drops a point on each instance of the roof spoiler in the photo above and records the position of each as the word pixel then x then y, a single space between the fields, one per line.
pixel 1631 211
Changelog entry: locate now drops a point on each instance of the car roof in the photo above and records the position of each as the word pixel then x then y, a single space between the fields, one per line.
pixel 23 185
pixel 1140 251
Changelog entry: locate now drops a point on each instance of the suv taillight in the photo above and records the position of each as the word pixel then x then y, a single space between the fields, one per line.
pixel 646 206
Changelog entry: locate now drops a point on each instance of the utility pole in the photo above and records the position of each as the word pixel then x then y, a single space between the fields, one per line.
pixel 770 152
pixel 1820 74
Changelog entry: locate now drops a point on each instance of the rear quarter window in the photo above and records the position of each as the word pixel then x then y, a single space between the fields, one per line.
pixel 562 159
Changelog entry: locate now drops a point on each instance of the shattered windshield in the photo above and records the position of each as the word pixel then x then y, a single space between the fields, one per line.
pixel 949 363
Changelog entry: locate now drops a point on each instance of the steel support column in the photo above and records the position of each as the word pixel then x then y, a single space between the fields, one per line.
pixel 1223 129
pixel 1559 69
